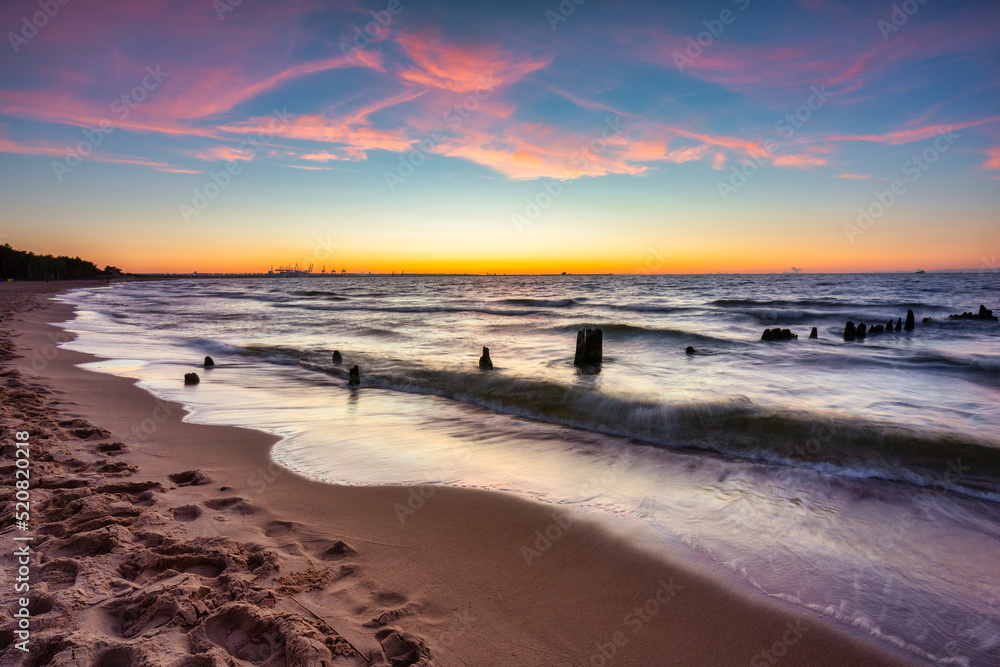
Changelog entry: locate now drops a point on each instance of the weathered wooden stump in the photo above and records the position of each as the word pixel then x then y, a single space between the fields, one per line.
pixel 209 362
pixel 909 321
pixel 778 334
pixel 355 377
pixel 589 347
pixel 983 314
pixel 814 333
pixel 850 333
pixel 337 357
pixel 485 363
pixel 191 378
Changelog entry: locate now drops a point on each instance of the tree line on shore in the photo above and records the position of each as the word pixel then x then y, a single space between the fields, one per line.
pixel 22 265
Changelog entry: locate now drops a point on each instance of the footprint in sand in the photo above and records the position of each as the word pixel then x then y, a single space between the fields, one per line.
pixel 84 430
pixel 190 478
pixel 401 648
pixel 187 513
pixel 112 448
pixel 86 545
pixel 45 650
pixel 149 565
pixel 278 528
pixel 60 574
pixel 232 503
pixel 121 656
pixel 134 617
pixel 116 468
pixel 244 636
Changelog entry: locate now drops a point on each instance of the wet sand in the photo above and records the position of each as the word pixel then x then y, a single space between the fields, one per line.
pixel 161 542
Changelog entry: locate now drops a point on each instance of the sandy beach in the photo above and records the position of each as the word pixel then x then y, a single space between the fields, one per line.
pixel 162 542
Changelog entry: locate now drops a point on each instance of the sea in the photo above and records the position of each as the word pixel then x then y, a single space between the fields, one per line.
pixel 860 479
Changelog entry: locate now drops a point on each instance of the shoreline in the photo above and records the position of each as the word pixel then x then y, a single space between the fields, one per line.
pixel 449 585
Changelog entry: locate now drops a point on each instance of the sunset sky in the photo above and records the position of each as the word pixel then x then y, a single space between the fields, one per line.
pixel 502 136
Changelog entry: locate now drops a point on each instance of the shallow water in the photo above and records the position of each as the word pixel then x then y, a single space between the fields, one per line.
pixel 860 478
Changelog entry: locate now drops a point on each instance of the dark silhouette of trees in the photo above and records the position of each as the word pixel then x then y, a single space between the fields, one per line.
pixel 21 265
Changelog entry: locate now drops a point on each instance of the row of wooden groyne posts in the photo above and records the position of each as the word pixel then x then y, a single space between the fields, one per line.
pixel 589 351
pixel 590 342
pixel 854 332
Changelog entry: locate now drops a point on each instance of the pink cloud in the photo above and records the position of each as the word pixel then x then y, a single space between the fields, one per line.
pixel 68 109
pixel 178 170
pixel 801 161
pixel 524 150
pixel 462 68
pixel 850 55
pixel 686 154
pixel 914 134
pixel 223 154
pixel 97 52
pixel 352 138
pixel 213 91
pixel 401 104
pixel 167 110
pixel 993 162
pixel 324 156
pixel 854 176
pixel 584 103
pixel 8 145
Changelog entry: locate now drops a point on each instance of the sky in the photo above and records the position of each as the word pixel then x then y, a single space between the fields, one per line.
pixel 507 137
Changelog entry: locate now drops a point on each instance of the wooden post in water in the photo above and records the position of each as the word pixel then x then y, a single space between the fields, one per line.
pixel 589 347
pixel 485 363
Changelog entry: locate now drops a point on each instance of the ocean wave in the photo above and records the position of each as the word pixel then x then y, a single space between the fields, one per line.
pixel 646 308
pixel 785 316
pixel 831 443
pixel 978 363
pixel 616 330
pixel 381 333
pixel 426 310
pixel 828 303
pixel 328 296
pixel 545 303
pixel 247 296
pixel 212 346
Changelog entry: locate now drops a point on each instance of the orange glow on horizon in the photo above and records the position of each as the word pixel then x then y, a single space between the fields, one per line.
pixel 654 263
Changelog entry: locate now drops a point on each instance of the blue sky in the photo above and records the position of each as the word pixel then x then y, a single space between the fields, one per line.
pixel 508 137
